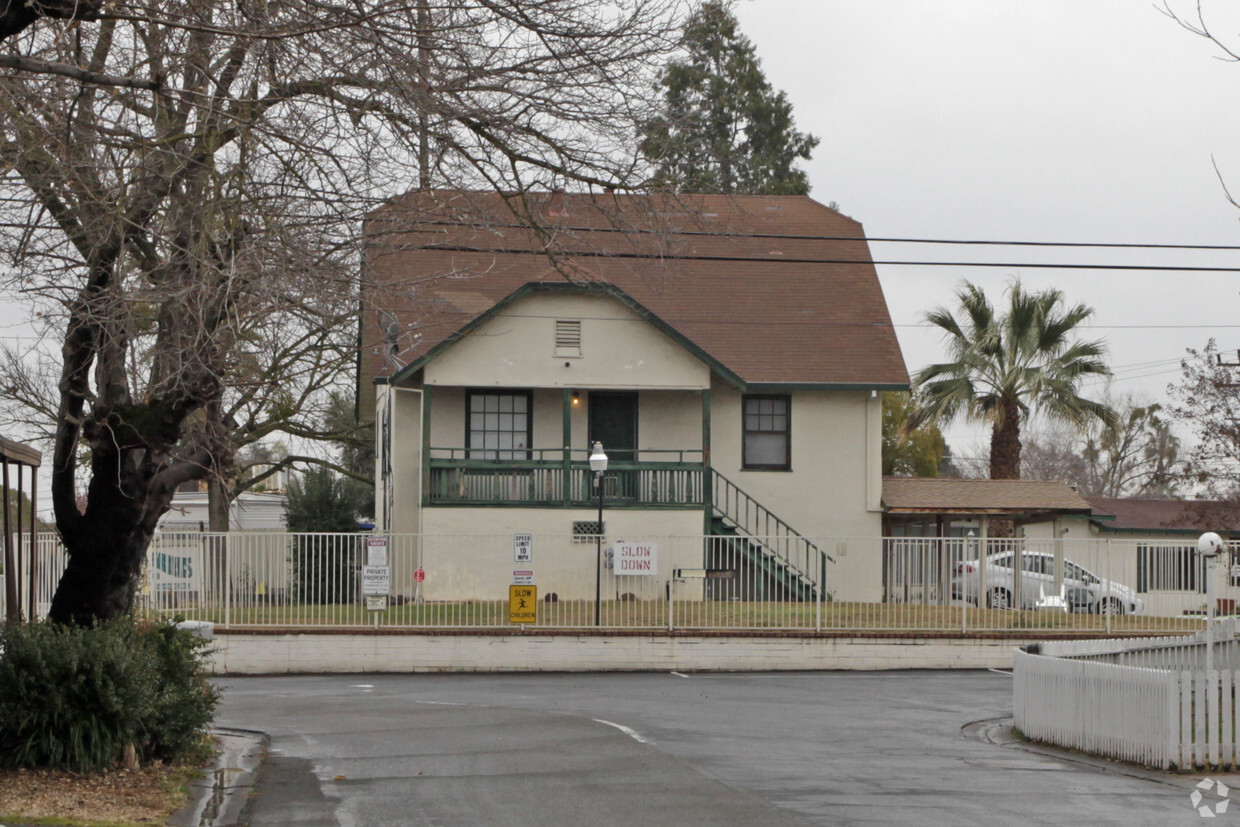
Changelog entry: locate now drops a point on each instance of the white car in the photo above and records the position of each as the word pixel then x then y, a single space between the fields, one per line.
pixel 1083 591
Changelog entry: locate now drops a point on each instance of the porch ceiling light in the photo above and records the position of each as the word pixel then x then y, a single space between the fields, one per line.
pixel 576 398
pixel 598 460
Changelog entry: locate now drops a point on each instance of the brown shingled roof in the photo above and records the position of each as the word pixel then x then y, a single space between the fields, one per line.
pixel 1158 514
pixel 912 495
pixel 776 289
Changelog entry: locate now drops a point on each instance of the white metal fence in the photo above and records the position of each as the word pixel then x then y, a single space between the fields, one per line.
pixel 1151 701
pixel 244 579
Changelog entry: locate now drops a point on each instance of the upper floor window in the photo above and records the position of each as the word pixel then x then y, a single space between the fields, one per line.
pixel 768 433
pixel 498 424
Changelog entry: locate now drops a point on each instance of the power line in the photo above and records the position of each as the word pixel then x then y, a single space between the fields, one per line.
pixel 716 233
pixel 779 258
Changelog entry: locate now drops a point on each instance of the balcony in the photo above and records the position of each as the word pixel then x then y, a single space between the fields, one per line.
pixel 554 478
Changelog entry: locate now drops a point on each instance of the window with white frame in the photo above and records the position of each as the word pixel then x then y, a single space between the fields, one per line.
pixel 498 424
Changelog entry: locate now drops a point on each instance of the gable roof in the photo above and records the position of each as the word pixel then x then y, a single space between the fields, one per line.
pixel 939 495
pixel 777 290
pixel 1169 516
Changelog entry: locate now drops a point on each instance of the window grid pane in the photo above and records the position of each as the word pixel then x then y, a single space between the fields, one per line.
pixel 498 426
pixel 767 432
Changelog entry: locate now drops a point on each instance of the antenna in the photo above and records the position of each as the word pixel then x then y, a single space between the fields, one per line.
pixel 392 333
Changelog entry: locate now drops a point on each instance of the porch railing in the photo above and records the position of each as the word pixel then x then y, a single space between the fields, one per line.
pixel 555 478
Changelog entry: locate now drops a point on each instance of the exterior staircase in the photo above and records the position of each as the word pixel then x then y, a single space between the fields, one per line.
pixel 770 559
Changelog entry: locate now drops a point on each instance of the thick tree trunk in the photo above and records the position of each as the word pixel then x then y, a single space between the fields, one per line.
pixel 106 549
pixel 1005 460
pixel 101 579
pixel 1005 445
pixel 217 505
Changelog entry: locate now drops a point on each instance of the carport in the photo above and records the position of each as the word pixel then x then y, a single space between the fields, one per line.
pixel 16 458
pixel 931 525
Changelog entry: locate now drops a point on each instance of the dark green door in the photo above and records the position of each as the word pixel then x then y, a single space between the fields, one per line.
pixel 613 422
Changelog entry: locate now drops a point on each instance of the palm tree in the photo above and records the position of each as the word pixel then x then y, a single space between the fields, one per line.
pixel 1005 367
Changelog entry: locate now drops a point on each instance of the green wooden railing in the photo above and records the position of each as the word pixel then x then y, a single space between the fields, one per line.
pixel 774 545
pixel 553 478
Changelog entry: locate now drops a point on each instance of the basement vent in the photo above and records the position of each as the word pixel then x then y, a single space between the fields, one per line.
pixel 567 339
pixel 587 531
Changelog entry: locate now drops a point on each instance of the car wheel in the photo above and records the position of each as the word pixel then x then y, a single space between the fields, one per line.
pixel 1111 606
pixel 1000 598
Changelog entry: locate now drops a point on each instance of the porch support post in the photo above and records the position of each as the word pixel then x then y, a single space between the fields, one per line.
pixel 13 610
pixel 566 459
pixel 34 543
pixel 708 481
pixel 426 444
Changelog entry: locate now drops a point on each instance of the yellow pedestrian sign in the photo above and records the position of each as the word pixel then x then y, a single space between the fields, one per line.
pixel 522 604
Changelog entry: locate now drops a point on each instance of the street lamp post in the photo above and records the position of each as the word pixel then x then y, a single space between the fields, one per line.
pixel 598 464
pixel 1210 545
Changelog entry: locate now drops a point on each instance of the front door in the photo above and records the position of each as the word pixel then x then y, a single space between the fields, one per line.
pixel 613 422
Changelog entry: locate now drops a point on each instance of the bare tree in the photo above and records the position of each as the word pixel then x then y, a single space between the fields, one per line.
pixel 1206 401
pixel 195 231
pixel 1135 455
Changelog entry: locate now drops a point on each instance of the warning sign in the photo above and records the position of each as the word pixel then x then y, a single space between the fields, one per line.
pixel 522 604
pixel 377 550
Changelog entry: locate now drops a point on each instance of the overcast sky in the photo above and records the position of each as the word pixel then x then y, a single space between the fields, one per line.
pixel 1041 120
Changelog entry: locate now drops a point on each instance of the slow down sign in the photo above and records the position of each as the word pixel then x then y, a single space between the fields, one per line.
pixel 636 559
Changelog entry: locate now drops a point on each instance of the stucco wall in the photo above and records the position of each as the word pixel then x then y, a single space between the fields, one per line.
pixel 517 349
pixel 468 552
pixel 241 654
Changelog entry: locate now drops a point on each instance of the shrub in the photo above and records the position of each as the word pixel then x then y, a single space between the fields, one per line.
pixel 77 698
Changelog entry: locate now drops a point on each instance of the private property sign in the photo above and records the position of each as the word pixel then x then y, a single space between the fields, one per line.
pixel 636 559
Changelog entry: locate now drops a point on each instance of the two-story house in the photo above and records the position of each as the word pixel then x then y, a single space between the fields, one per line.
pixel 728 352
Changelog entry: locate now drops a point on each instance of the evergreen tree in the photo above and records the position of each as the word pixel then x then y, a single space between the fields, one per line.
pixel 916 452
pixel 724 129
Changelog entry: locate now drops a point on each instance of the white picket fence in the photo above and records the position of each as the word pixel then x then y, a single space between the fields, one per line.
pixel 1149 701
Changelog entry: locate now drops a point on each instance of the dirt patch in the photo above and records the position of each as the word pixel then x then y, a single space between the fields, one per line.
pixel 144 796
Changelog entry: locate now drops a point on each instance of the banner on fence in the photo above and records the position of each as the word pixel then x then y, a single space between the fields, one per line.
pixel 177 566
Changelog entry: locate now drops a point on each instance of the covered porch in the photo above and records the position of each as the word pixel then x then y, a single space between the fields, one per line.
pixel 531 447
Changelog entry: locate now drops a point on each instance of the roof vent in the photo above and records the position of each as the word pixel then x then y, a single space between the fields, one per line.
pixel 568 339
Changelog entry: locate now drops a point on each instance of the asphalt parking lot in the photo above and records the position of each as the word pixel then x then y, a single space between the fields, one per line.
pixel 663 748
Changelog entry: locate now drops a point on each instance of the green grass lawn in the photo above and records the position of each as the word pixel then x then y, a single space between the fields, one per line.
pixel 638 614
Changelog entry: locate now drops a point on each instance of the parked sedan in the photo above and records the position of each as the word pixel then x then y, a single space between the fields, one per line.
pixel 1083 591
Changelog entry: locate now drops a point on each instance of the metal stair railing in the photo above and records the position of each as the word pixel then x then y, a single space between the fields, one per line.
pixel 769 535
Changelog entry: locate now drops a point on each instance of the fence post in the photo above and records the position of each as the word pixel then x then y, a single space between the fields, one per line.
pixel 227 581
pixel 1107 574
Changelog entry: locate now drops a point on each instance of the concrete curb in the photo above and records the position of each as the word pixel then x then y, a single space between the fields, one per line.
pixel 1000 732
pixel 217 799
